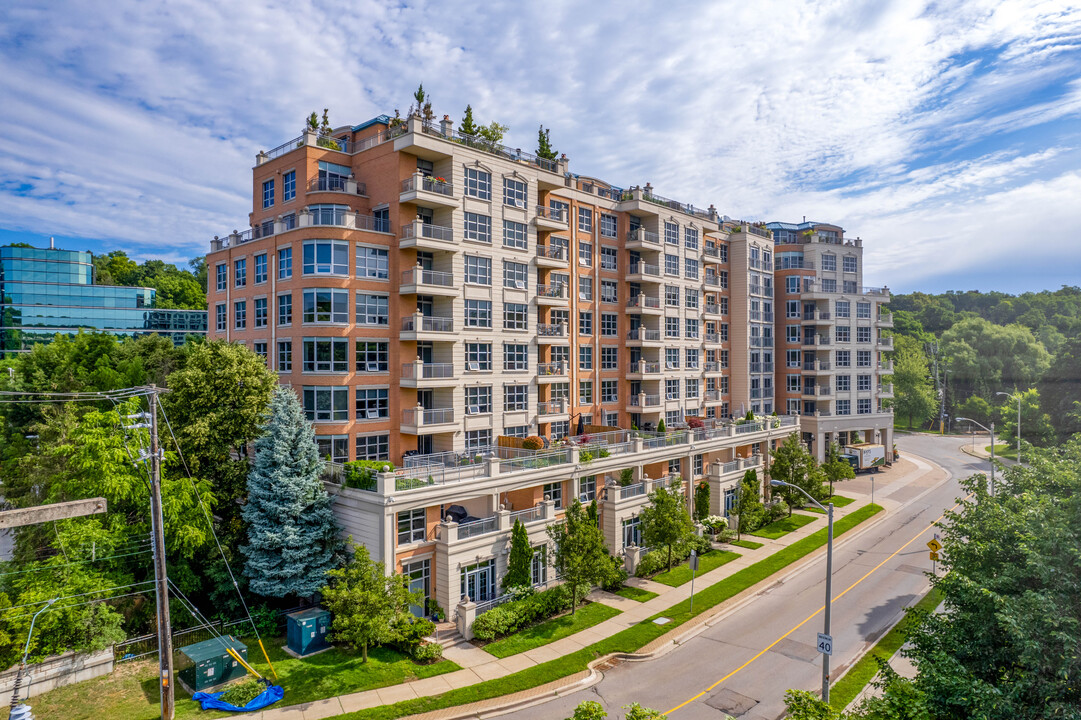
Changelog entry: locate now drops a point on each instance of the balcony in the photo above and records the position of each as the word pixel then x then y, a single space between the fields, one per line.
pixel 885 390
pixel 552 410
pixel 644 305
pixel 711 366
pixel 552 334
pixel 711 338
pixel 712 396
pixel 713 310
pixel 423 421
pixel 816 365
pixel 644 272
pixel 712 280
pixel 552 256
pixel 761 367
pixel 644 403
pixel 417 281
pixel 425 375
pixel 427 190
pixel 644 369
pixel 885 320
pixel 336 184
pixel 644 337
pixel 551 372
pixel 428 328
pixel 551 218
pixel 425 236
pixel 886 367
pixel 642 239
pixel 816 390
pixel 712 254
pixel 885 343
pixel 555 294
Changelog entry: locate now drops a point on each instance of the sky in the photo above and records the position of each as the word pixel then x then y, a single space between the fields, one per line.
pixel 947 135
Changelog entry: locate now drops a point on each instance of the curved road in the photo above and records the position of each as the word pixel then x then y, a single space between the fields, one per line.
pixel 742 665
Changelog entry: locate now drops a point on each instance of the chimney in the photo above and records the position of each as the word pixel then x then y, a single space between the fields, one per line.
pixel 804 218
pixel 52 243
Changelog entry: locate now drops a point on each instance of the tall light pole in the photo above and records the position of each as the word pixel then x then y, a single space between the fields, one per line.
pixel 1018 421
pixel 829 583
pixel 991 430
pixel 16 711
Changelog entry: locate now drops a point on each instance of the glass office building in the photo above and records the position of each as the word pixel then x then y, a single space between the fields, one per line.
pixel 46 291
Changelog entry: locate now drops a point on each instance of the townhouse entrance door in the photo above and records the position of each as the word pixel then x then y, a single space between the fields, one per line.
pixel 478 581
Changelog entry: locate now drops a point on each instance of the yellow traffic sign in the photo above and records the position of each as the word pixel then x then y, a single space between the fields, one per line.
pixel 934 555
pixel 935 545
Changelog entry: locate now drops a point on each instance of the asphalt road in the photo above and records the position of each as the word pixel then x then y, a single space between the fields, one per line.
pixel 743 664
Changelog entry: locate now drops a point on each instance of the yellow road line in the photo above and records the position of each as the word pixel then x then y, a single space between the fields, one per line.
pixel 769 647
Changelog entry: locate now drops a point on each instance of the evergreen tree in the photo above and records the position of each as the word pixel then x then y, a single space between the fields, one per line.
pixel 701 501
pixel 664 520
pixel 749 509
pixel 292 536
pixel 592 512
pixel 468 127
pixel 520 562
pixel 544 144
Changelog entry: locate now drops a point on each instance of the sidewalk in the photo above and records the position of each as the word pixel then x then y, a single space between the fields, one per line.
pixel 478 666
pixel 978 449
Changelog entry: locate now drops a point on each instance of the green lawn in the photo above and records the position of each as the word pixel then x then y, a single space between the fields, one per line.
pixel 1005 451
pixel 783 526
pixel 748 544
pixel 682 573
pixel 837 500
pixel 634 593
pixel 551 630
pixel 628 640
pixel 131 691
pixel 848 687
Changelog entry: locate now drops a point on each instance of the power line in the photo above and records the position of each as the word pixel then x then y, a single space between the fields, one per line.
pixel 75 562
pixel 68 597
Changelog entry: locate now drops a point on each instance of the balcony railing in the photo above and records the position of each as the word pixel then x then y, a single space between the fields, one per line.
pixel 529 515
pixel 473 528
pixel 428 323
pixel 557 330
pixel 417 276
pixel 552 368
pixel 712 280
pixel 551 407
pixel 642 268
pixel 644 301
pixel 645 367
pixel 336 183
pixel 712 396
pixel 427 371
pixel 644 400
pixel 793 264
pixel 427 183
pixel 429 231
pixel 433 416
pixel 478 143
pixel 644 236
pixel 712 337
pixel 556 290
pixel 553 252
pixel 713 309
pixel 711 366
pixel 553 214
pixel 644 334
pixel 630 491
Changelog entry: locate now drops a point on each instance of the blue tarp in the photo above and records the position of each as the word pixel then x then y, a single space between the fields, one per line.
pixel 210 701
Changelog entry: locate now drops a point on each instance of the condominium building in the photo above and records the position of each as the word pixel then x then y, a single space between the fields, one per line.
pixel 831 329
pixel 434 298
pixel 45 292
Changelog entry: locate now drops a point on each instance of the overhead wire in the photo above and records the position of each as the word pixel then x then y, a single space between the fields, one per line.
pixel 74 562
pixel 68 597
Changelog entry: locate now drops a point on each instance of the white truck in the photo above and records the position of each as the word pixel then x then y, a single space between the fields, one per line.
pixel 865 456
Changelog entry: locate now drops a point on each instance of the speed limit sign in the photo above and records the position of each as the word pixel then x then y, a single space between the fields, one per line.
pixel 825 644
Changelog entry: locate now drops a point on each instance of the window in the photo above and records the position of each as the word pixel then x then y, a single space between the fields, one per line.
pixel 609 324
pixel 515 274
pixel 585 357
pixel 372 309
pixel 240 272
pixel 372 403
pixel 792 358
pixel 843 358
pixel 723 387
pixel 849 263
pixel 554 491
pixel 844 383
pixel 609 391
pixel 560 429
pixel 671 265
pixel 690 238
pixel 608 258
pixel 863 334
pixel 791 284
pixel 478 313
pixel 326 404
pixel 411 526
pixel 609 358
pixel 671 295
pixel 478 270
pixel 671 358
pixel 691 326
pixel 585 392
pixel 326 257
pixel 514 193
pixel 585 288
pixel 724 331
pixel 609 291
pixel 285 355
pixel 843 309
pixel 691 296
pixel 608 225
pixel 585 254
pixel 268 193
pixel 478 399
pixel 259 348
pixel 692 358
pixel 516 431
pixel 514 234
pixel 587 489
pixel 863 310
pixel 724 359
pixel 289 186
pixel 671 327
pixel 671 233
pixel 372 357
pixel 844 407
pixel 220 317
pixel 478 183
pixel 478 356
pixel 863 358
pixel 285 309
pixel 829 285
pixel 260 312
pixel 515 356
pixel 514 316
pixel 585 323
pixel 791 333
pixel 632 532
pixel 222 275
pixel 863 383
pixel 478 440
pixel 843 334
pixel 850 287
pixel 325 306
pixel 285 263
pixel 863 406
pixel 698 465
pixel 585 220
pixel 829 262
pixel 240 315
pixel 326 355
pixel 690 268
pixel 478 227
pixel 373 447
pixel 671 389
pixel 792 383
pixel 372 263
pixel 515 397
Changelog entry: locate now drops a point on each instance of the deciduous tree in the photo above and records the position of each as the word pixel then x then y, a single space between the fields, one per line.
pixel 664 520
pixel 794 465
pixel 914 395
pixel 578 551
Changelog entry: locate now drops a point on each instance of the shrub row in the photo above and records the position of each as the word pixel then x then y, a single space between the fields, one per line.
pixel 360 474
pixel 517 614
pixel 655 561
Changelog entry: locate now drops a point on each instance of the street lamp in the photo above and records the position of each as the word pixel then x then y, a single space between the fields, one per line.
pixel 991 430
pixel 829 582
pixel 1018 421
pixel 26 652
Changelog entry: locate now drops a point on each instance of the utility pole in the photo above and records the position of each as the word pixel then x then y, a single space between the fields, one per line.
pixel 161 578
pixel 932 348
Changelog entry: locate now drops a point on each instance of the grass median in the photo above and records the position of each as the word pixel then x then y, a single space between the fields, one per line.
pixel 681 574
pixel 625 641
pixel 856 679
pixel 779 528
pixel 551 630
pixel 633 593
pixel 747 544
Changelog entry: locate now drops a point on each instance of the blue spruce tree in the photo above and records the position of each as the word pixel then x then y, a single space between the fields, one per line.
pixel 292 536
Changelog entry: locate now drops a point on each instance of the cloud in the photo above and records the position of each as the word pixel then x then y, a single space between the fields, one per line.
pixel 138 126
